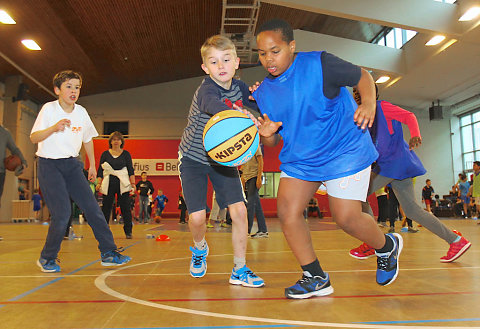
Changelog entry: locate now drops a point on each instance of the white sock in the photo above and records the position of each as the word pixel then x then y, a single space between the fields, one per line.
pixel 238 262
pixel 201 245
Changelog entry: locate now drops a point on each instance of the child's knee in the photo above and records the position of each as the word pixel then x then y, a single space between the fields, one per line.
pixel 198 218
pixel 238 211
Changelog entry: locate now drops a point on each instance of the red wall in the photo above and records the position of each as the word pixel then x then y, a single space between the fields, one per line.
pixel 168 149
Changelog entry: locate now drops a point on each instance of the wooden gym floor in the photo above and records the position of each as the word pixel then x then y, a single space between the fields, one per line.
pixel 155 289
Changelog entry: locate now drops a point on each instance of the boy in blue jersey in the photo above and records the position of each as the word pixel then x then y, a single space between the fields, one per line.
pixel 397 164
pixel 161 200
pixel 304 100
pixel 218 92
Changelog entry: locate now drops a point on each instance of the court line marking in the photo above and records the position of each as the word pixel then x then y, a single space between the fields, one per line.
pixel 222 273
pixel 424 321
pixel 216 327
pixel 238 299
pixel 100 283
pixel 58 278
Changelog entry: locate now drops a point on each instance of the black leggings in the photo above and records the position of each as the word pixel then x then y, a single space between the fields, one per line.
pixel 123 201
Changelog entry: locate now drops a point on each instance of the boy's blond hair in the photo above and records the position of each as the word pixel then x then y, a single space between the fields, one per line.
pixel 66 75
pixel 219 42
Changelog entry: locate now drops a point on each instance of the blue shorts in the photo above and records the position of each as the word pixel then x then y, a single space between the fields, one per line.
pixel 194 178
pixel 465 199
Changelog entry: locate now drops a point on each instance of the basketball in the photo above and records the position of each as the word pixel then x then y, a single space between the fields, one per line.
pixel 12 162
pixel 157 219
pixel 230 138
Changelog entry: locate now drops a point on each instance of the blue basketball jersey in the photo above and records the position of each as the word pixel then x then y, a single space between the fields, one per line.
pixel 395 159
pixel 320 139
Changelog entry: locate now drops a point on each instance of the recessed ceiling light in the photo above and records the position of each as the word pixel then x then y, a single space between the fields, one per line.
pixel 435 40
pixel 470 14
pixel 5 18
pixel 383 79
pixel 30 44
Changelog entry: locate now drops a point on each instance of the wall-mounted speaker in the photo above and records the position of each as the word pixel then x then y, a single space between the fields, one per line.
pixel 22 93
pixel 436 112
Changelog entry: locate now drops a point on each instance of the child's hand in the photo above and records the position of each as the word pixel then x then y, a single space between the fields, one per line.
pixel 414 142
pixel 268 127
pixel 61 125
pixel 364 115
pixel 250 115
pixel 252 89
pixel 92 174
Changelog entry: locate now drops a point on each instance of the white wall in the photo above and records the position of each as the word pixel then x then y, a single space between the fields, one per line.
pixel 435 153
pixel 155 111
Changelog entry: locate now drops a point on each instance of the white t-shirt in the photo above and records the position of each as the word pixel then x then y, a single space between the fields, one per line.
pixel 67 143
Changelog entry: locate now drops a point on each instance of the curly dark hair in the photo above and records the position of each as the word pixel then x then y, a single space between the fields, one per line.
pixel 278 25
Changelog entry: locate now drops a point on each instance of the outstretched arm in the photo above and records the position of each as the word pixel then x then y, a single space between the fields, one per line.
pixel 393 112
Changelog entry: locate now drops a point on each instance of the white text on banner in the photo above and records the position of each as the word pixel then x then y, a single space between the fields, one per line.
pixel 156 167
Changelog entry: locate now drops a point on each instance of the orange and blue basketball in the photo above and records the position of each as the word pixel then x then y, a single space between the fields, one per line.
pixel 231 138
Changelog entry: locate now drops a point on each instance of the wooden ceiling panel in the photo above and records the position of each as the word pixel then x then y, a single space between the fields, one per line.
pixel 126 44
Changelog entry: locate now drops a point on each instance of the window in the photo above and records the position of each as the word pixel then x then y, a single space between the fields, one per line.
pixel 470 136
pixel 120 126
pixel 270 185
pixel 394 37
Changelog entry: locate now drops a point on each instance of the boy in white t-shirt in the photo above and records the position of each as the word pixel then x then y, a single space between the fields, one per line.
pixel 60 129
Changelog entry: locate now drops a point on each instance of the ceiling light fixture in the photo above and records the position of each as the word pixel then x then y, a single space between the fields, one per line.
pixel 435 40
pixel 383 79
pixel 6 18
pixel 30 44
pixel 470 14
pixel 446 45
pixel 392 82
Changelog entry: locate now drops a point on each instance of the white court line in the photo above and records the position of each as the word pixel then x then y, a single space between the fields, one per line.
pixel 225 273
pixel 101 284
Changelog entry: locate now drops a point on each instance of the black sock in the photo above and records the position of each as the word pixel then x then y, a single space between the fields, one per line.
pixel 388 245
pixel 314 269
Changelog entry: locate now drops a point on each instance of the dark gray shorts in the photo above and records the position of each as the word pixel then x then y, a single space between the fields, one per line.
pixel 194 178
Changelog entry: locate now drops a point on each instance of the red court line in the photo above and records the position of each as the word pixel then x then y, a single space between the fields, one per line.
pixel 234 299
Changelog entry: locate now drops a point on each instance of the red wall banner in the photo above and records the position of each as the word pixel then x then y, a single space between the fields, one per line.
pixel 161 158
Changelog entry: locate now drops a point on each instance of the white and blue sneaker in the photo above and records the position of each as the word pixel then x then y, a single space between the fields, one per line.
pixel 309 286
pixel 114 258
pixel 387 263
pixel 198 264
pixel 245 277
pixel 48 266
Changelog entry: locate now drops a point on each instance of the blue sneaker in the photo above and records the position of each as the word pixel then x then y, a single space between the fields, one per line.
pixel 387 263
pixel 246 278
pixel 48 266
pixel 114 258
pixel 309 286
pixel 198 264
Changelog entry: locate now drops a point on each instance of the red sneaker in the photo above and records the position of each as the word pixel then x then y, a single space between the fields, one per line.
pixel 364 251
pixel 456 250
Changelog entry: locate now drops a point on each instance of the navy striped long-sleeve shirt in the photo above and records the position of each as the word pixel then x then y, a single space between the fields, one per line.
pixel 208 100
